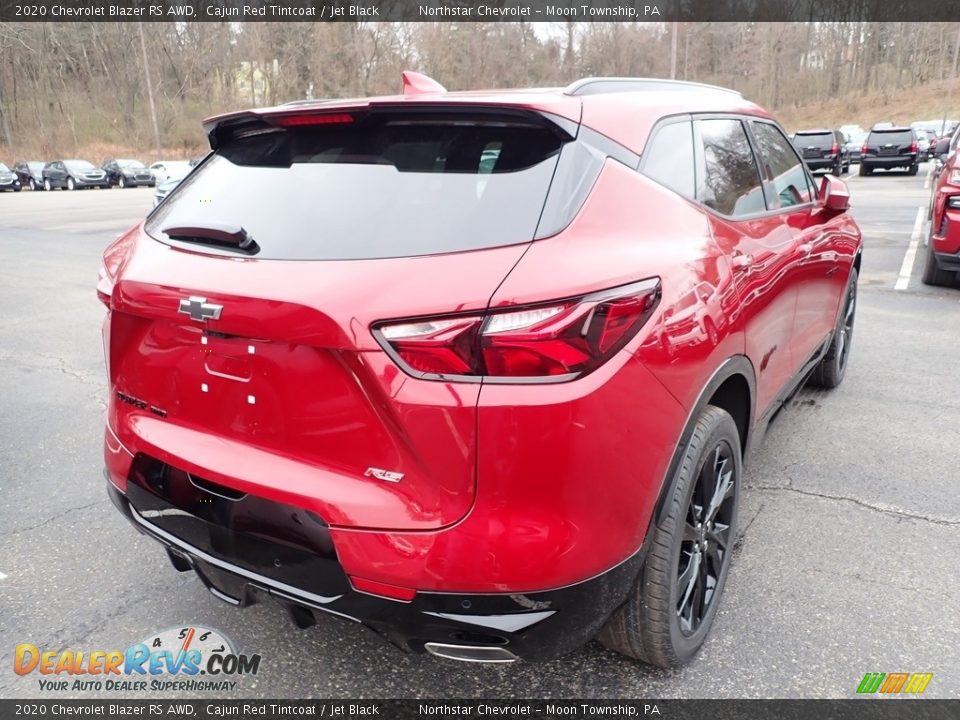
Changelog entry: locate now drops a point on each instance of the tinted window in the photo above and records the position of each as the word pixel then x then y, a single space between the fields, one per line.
pixel 730 181
pixel 668 158
pixel 894 137
pixel 814 139
pixel 782 166
pixel 385 186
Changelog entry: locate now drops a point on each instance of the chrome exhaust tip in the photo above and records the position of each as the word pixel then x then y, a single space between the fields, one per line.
pixel 471 653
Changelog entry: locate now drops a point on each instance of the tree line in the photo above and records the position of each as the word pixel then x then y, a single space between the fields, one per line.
pixel 68 86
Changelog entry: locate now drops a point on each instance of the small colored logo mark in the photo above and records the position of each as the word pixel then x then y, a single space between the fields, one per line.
pixel 892 683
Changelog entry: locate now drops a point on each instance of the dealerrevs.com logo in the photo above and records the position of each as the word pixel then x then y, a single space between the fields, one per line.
pixel 178 659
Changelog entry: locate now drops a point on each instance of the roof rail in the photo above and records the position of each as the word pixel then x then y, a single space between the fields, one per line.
pixel 600 85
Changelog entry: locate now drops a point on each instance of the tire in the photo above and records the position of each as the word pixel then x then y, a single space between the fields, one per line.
pixel 648 626
pixel 830 371
pixel 913 169
pixel 46 185
pixel 71 185
pixel 933 274
pixel 33 185
pixel 121 183
pixel 837 170
pixel 864 170
pixel 17 189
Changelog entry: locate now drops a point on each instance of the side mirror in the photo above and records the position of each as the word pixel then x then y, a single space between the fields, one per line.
pixel 834 194
pixel 943 147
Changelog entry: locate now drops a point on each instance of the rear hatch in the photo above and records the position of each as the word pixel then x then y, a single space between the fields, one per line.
pixel 890 142
pixel 814 146
pixel 240 343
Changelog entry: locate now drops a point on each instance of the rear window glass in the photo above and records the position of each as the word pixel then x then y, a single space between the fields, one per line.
pixel 383 186
pixel 898 137
pixel 818 139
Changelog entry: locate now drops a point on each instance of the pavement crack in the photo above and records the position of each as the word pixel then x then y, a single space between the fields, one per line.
pixel 892 512
pixel 29 528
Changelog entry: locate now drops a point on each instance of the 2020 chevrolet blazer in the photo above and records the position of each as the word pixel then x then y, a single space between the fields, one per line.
pixel 477 370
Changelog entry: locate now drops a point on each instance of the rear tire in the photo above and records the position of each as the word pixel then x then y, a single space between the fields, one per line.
pixel 830 371
pixel 913 169
pixel 672 605
pixel 933 274
pixel 837 170
pixel 47 186
pixel 33 185
pixel 71 185
pixel 864 170
pixel 121 183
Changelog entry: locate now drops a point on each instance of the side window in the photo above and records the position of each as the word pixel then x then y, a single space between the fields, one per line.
pixel 729 181
pixel 783 167
pixel 668 158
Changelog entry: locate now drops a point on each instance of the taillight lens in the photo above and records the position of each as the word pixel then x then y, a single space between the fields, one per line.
pixel 914 147
pixel 558 340
pixel 835 149
pixel 104 286
pixel 863 149
pixel 307 119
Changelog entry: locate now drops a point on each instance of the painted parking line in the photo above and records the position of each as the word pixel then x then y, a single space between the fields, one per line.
pixel 907 268
pixel 927 179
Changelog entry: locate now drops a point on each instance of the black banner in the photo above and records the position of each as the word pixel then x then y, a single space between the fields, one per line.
pixel 854 709
pixel 477 10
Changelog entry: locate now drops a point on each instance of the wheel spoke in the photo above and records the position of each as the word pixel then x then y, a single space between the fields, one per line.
pixel 689 533
pixel 688 581
pixel 721 492
pixel 719 535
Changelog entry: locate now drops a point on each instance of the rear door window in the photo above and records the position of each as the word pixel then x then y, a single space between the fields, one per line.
pixel 729 179
pixel 384 185
pixel 783 167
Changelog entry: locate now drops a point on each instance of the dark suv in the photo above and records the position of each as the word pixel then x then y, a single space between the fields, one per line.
pixel 823 150
pixel 890 147
pixel 477 371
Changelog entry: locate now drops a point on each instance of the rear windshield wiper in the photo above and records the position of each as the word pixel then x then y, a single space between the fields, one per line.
pixel 228 237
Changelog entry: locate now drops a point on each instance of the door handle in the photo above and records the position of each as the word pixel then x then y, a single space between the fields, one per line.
pixel 741 262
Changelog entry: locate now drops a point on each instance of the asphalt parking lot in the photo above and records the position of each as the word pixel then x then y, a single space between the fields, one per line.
pixel 849 560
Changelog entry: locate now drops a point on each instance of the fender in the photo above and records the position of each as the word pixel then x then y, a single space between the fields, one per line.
pixel 736 365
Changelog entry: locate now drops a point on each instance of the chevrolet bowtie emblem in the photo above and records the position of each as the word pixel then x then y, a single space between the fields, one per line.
pixel 199 309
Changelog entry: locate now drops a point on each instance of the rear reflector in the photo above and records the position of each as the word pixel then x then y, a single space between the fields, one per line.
pixel 383 589
pixel 312 119
pixel 559 340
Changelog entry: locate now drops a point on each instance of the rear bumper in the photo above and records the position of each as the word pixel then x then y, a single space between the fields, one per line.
pixel 904 161
pixel 501 627
pixel 821 163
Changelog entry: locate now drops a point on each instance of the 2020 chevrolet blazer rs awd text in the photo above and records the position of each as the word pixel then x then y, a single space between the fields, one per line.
pixel 476 370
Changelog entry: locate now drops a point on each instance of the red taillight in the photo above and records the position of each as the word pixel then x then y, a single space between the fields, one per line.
pixel 863 150
pixel 558 340
pixel 374 587
pixel 914 147
pixel 312 119
pixel 835 149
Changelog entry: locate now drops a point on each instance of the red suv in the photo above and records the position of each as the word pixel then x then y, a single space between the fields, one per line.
pixel 942 262
pixel 476 370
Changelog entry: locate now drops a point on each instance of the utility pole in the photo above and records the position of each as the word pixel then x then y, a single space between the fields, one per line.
pixel 153 107
pixel 673 51
pixel 953 81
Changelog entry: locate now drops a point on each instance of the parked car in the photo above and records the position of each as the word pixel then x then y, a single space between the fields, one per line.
pixel 73 174
pixel 823 150
pixel 470 401
pixel 942 256
pixel 854 141
pixel 30 173
pixel 128 173
pixel 8 179
pixel 162 170
pixel 164 188
pixel 923 144
pixel 935 128
pixel 889 148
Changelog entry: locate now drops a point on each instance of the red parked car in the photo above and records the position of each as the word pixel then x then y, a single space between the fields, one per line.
pixel 477 370
pixel 942 262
